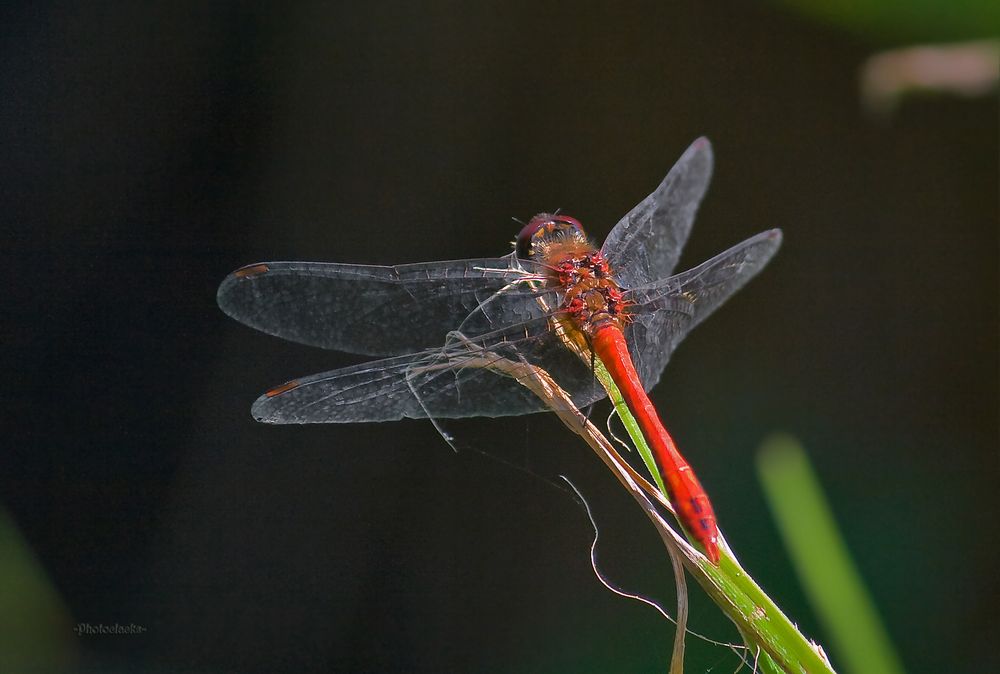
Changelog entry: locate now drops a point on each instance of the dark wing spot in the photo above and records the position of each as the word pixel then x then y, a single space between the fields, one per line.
pixel 284 388
pixel 251 271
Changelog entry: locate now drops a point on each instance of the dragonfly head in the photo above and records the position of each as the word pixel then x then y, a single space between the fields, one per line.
pixel 545 229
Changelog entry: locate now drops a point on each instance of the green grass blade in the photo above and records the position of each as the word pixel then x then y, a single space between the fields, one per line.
pixel 37 634
pixel 821 559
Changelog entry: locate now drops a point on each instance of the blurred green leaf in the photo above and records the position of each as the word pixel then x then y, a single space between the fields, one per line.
pixel 36 631
pixel 907 21
pixel 821 559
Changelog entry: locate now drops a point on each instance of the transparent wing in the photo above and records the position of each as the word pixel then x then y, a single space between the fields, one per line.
pixel 451 382
pixel 665 312
pixel 373 391
pixel 456 380
pixel 366 309
pixel 645 245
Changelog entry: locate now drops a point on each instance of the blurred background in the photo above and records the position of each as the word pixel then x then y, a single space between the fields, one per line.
pixel 151 148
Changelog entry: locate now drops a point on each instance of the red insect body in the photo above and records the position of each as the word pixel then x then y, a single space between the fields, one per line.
pixel 685 491
pixel 596 305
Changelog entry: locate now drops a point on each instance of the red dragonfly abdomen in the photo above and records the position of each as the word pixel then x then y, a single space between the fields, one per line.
pixel 685 492
pixel 594 303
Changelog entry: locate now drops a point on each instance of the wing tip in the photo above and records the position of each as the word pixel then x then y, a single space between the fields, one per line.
pixel 257 410
pixel 701 143
pixel 262 408
pixel 774 237
pixel 262 414
pixel 233 280
pixel 765 245
pixel 701 146
pixel 694 168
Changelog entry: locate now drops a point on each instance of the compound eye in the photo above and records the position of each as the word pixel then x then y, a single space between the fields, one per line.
pixel 537 225
pixel 568 222
pixel 541 226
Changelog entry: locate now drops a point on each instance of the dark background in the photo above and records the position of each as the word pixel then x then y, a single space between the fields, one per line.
pixel 149 151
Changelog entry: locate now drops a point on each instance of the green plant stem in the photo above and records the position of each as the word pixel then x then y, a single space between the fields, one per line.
pixel 766 630
pixel 774 644
pixel 623 412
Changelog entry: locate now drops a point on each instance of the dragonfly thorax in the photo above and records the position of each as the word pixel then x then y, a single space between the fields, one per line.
pixel 591 297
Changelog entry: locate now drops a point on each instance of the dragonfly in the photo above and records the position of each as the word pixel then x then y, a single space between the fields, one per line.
pixel 556 302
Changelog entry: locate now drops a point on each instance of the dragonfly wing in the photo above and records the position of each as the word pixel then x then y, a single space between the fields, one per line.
pixel 646 244
pixel 666 311
pixel 470 379
pixel 467 377
pixel 370 310
pixel 373 391
pixel 523 332
pixel 652 337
